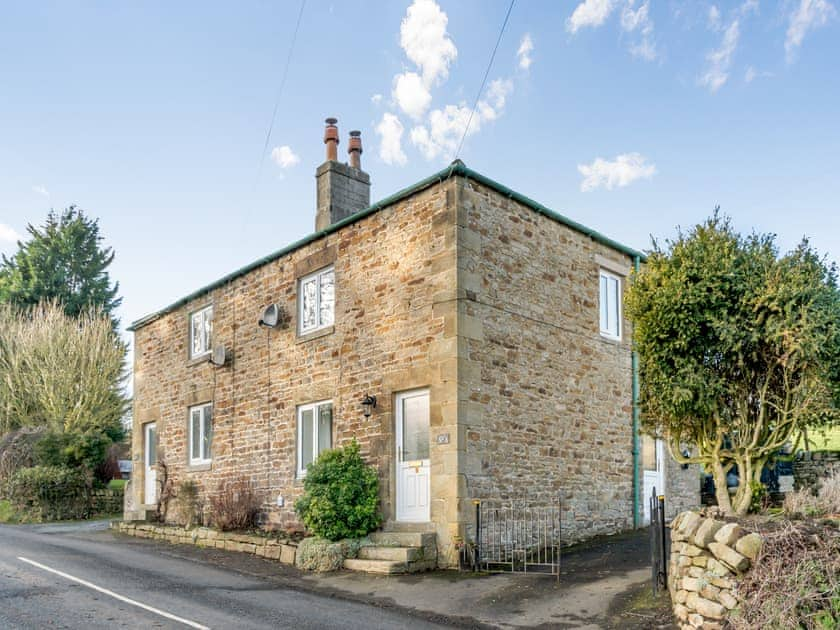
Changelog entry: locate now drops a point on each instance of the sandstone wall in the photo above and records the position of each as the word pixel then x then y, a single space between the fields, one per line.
pixel 706 561
pixel 544 400
pixel 395 321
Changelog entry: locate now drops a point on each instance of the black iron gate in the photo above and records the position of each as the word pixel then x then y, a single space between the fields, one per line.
pixel 515 537
pixel 658 543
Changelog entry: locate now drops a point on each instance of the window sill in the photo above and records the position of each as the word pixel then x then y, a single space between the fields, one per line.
pixel 611 339
pixel 200 466
pixel 315 334
pixel 201 358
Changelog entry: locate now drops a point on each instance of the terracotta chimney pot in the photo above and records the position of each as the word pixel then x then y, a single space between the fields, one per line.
pixel 355 149
pixel 331 139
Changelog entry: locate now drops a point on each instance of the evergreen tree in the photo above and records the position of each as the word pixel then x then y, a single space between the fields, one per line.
pixel 65 261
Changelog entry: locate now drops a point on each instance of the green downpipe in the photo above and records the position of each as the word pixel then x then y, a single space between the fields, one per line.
pixel 635 367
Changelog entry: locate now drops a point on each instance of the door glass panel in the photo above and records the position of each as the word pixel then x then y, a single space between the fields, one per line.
pixel 415 428
pixel 306 437
pixel 324 427
pixel 151 446
pixel 648 453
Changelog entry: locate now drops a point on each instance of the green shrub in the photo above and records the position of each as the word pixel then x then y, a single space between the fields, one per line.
pixel 50 493
pixel 758 497
pixel 341 495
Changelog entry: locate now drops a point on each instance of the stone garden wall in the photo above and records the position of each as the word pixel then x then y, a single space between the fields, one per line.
pixel 270 547
pixel 809 467
pixel 708 558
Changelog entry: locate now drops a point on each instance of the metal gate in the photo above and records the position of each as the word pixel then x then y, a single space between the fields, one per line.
pixel 658 543
pixel 515 537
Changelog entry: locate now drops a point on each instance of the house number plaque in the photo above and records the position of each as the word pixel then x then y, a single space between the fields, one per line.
pixel 443 438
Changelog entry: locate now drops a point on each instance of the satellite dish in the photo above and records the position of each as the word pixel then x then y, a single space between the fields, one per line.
pixel 271 316
pixel 219 356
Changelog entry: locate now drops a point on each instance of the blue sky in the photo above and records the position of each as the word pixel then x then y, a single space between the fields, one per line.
pixel 630 117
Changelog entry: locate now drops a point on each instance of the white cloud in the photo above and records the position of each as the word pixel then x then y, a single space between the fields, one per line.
pixel 8 235
pixel 41 191
pixel 589 13
pixel 284 157
pixel 390 131
pixel 749 6
pixel 376 99
pixel 714 18
pixel 411 94
pixel 446 126
pixel 526 47
pixel 639 21
pixel 751 74
pixel 622 171
pixel 424 39
pixel 809 15
pixel 720 59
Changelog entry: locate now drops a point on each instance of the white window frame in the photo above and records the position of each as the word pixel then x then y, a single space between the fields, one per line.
pixel 608 332
pixel 206 315
pixel 203 458
pixel 316 414
pixel 319 325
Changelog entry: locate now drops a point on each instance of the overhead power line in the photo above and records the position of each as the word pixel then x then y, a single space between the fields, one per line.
pixel 484 80
pixel 279 92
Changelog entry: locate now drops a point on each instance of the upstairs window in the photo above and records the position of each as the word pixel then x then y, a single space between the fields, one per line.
pixel 316 300
pixel 314 433
pixel 201 433
pixel 201 331
pixel 610 303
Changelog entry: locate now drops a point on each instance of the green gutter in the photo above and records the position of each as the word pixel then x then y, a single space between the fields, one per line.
pixel 457 168
pixel 635 387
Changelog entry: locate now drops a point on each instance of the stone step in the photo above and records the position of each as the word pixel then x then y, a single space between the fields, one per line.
pixel 405 526
pixel 396 554
pixel 403 539
pixel 388 567
pixel 385 567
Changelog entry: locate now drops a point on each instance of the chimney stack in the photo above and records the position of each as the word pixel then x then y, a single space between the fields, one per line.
pixel 355 149
pixel 342 189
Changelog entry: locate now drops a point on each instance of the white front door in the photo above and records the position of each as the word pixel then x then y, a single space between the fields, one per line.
pixel 653 472
pixel 413 456
pixel 149 461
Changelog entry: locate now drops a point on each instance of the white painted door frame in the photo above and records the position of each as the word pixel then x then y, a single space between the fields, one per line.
pixel 149 462
pixel 413 471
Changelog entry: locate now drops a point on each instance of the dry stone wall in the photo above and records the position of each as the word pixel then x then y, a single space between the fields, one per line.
pixel 708 558
pixel 810 467
pixel 271 547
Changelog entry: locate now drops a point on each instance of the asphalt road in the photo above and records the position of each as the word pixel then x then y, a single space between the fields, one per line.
pixel 71 576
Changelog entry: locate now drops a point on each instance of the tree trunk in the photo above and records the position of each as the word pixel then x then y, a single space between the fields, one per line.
pixel 721 491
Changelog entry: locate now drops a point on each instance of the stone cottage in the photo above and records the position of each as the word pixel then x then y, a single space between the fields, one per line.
pixel 469 338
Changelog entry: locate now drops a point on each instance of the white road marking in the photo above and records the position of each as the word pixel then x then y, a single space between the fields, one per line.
pixel 122 598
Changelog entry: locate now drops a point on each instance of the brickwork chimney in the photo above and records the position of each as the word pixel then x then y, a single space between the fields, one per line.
pixel 342 189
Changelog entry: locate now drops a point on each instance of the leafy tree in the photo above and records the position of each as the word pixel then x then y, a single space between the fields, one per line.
pixel 64 260
pixel 739 348
pixel 64 374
